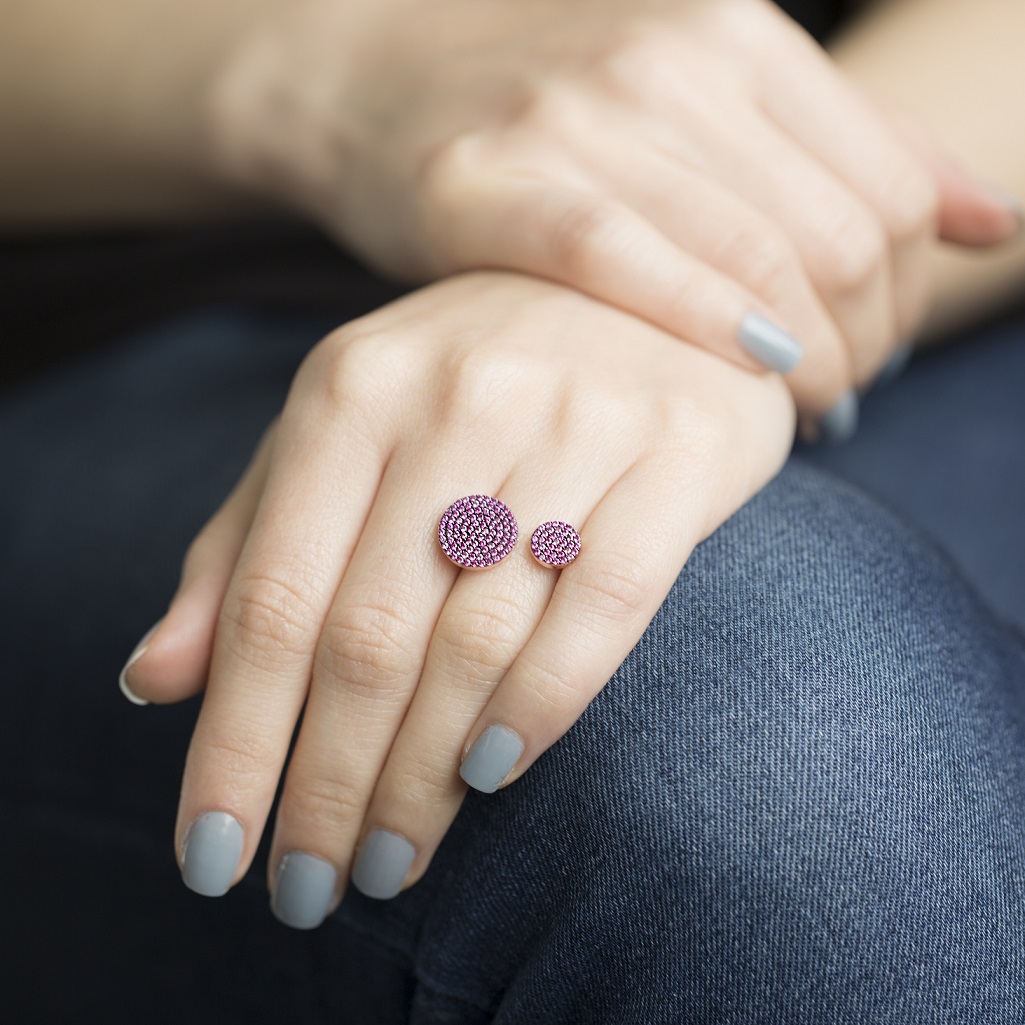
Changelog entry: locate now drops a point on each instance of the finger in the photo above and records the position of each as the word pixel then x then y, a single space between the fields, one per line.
pixel 604 600
pixel 601 604
pixel 485 625
pixel 486 621
pixel 865 156
pixel 972 212
pixel 721 229
pixel 368 665
pixel 308 522
pixel 172 661
pixel 841 241
pixel 606 249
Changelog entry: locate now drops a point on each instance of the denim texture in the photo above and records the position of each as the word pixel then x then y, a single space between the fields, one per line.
pixel 800 800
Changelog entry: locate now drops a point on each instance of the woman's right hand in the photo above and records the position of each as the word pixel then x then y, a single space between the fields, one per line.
pixel 320 587
pixel 699 163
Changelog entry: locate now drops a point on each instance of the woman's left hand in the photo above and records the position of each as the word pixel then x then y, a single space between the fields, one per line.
pixel 331 596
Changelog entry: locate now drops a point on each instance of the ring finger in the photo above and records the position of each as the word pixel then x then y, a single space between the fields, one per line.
pixel 367 667
pixel 485 623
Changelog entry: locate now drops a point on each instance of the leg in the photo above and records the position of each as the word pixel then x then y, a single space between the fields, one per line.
pixel 945 445
pixel 799 800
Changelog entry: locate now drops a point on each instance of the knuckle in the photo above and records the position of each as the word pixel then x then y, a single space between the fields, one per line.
pixel 760 255
pixel 320 799
pixel 355 371
pixel 443 177
pixel 236 756
pixel 553 108
pixel 482 639
pixel 546 688
pixel 856 250
pixel 583 236
pixel 912 203
pixel 422 784
pixel 369 650
pixel 482 381
pixel 636 59
pixel 269 621
pixel 617 588
pixel 698 433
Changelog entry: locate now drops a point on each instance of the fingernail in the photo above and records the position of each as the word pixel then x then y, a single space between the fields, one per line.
pixel 383 864
pixel 1019 220
pixel 491 759
pixel 894 366
pixel 769 344
pixel 303 890
pixel 213 846
pixel 1011 204
pixel 137 653
pixel 841 422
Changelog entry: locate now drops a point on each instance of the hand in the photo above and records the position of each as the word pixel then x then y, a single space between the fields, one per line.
pixel 691 161
pixel 331 596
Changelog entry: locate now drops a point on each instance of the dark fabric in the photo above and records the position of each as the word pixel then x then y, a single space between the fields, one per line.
pixel 800 801
pixel 64 294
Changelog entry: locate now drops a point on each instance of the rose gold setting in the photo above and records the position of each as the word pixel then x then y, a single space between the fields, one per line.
pixel 555 543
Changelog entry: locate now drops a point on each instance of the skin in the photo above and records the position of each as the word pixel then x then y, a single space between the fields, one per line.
pixel 652 156
pixel 332 589
pixel 895 53
pixel 571 148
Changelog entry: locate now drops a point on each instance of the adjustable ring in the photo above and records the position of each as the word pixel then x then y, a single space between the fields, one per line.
pixel 555 543
pixel 477 532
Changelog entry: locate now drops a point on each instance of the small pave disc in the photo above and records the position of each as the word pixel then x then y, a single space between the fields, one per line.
pixel 555 543
pixel 477 531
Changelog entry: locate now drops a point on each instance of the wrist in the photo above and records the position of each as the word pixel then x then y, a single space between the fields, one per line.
pixel 104 120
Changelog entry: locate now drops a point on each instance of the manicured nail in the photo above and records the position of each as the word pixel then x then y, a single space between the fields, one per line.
pixel 140 650
pixel 383 864
pixel 213 846
pixel 303 890
pixel 1012 205
pixel 841 422
pixel 491 759
pixel 894 366
pixel 769 344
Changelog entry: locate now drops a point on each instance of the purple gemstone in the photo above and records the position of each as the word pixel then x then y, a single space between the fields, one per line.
pixel 555 543
pixel 477 531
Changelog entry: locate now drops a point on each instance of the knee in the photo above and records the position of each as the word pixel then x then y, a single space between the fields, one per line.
pixel 810 732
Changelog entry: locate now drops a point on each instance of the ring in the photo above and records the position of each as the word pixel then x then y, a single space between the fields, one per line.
pixel 555 543
pixel 477 532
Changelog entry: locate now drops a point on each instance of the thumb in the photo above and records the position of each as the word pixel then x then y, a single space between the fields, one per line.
pixel 171 662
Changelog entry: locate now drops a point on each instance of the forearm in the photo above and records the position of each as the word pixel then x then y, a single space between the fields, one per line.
pixel 956 64
pixel 102 106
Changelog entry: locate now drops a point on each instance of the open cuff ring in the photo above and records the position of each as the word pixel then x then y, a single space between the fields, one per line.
pixel 479 531
pixel 555 543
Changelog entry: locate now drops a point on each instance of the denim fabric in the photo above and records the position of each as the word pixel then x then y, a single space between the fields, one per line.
pixel 801 799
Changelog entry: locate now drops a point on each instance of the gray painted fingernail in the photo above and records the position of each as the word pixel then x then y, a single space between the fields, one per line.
pixel 894 366
pixel 1010 203
pixel 137 653
pixel 841 422
pixel 383 864
pixel 491 759
pixel 769 344
pixel 213 847
pixel 303 890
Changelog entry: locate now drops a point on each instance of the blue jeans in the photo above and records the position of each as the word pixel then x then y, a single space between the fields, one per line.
pixel 800 800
